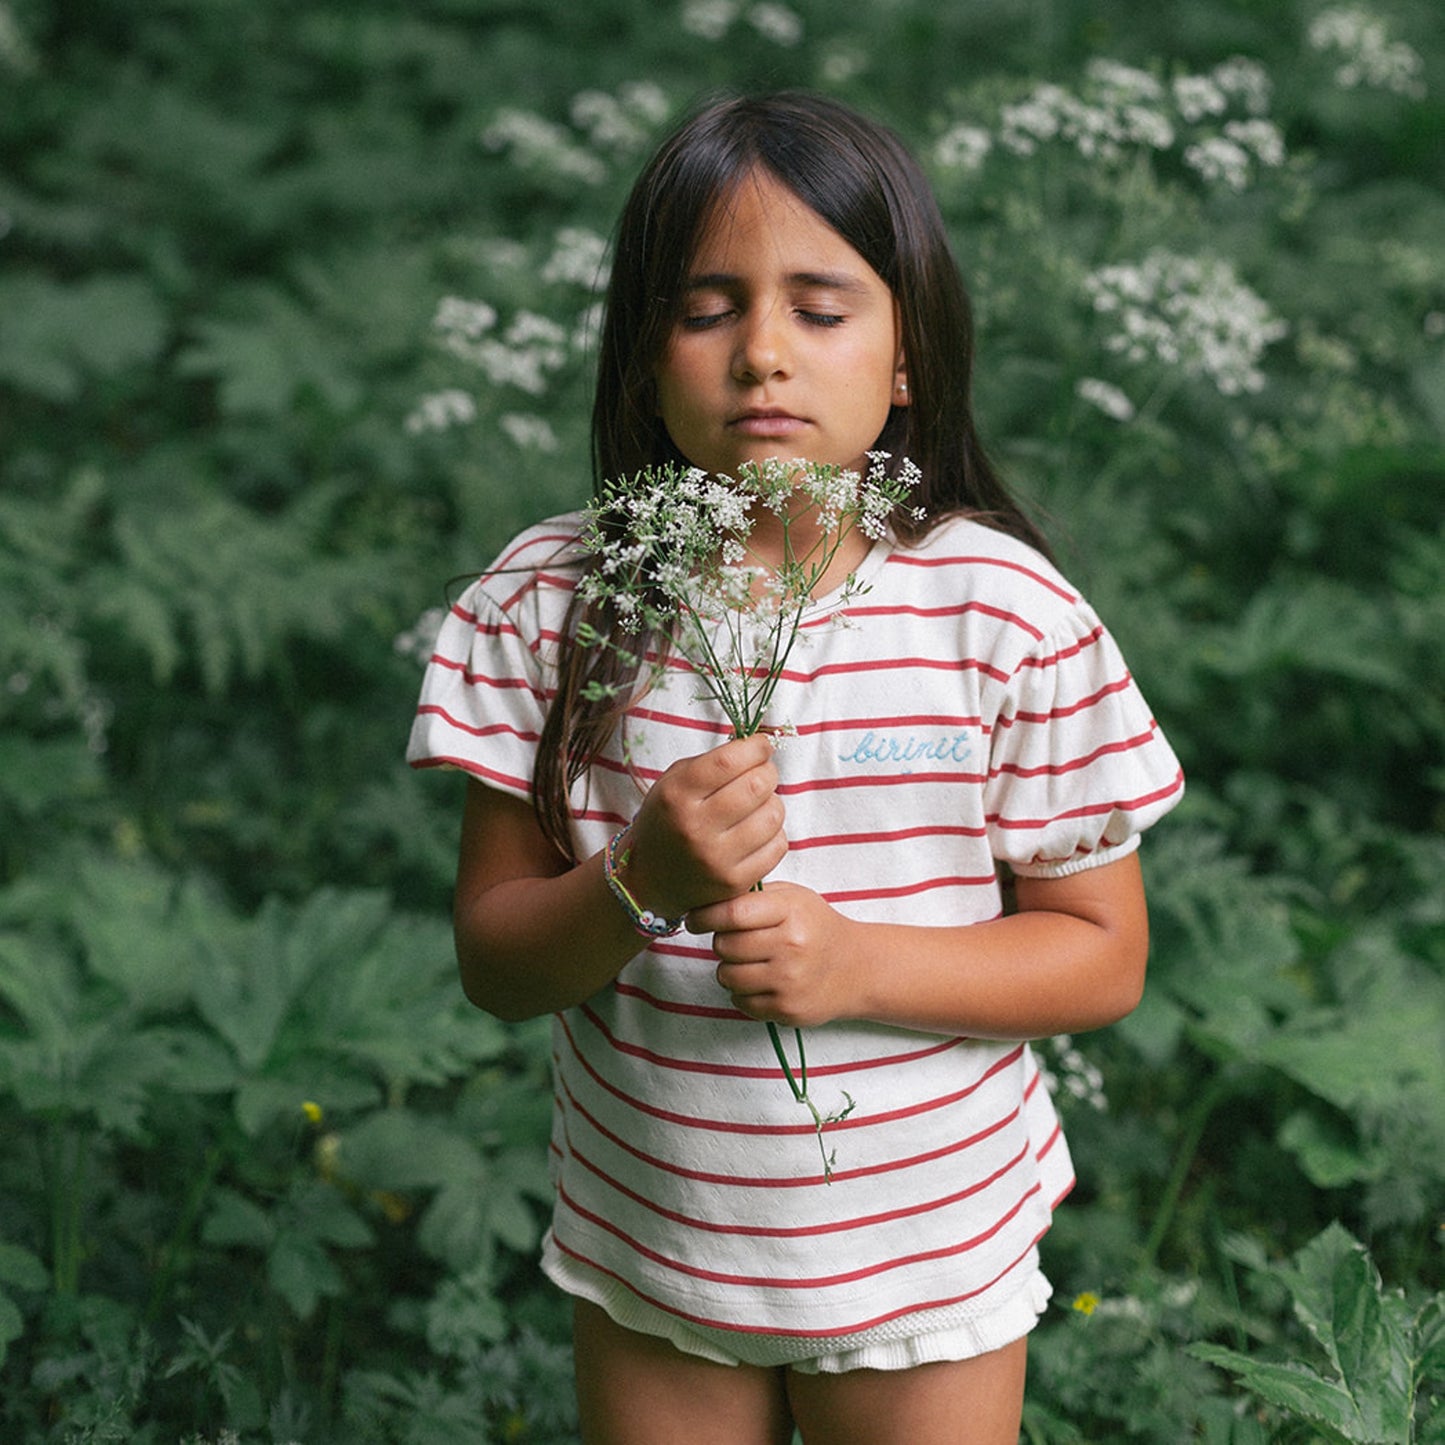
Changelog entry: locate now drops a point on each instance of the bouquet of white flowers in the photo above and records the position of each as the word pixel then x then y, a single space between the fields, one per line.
pixel 672 559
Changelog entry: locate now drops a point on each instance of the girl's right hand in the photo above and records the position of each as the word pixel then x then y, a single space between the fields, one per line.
pixel 710 828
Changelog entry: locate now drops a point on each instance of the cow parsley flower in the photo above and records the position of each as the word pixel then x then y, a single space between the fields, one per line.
pixel 671 556
pixel 441 410
pixel 1368 57
pixel 1188 312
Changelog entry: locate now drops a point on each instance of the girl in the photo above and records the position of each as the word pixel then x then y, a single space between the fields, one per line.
pixel 783 287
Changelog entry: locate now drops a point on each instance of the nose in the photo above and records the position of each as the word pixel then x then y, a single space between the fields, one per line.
pixel 761 351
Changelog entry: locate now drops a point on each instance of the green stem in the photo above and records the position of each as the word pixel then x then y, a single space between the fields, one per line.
pixel 1215 1091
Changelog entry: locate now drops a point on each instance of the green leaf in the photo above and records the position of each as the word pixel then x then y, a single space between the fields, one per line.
pixel 56 334
pixel 1293 1388
pixel 267 361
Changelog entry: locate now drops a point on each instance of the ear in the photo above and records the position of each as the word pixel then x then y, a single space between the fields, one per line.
pixel 900 385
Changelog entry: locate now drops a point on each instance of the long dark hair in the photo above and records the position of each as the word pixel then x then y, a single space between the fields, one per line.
pixel 859 178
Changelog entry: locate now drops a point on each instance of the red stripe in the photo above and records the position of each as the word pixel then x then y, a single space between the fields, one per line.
pixel 431 709
pixel 905 559
pixel 1123 805
pixel 1054 770
pixel 1064 653
pixel 466 765
pixel 477 678
pixel 774 1181
pixel 799 1231
pixel 898 664
pixel 853 895
pixel 732 1126
pixel 838 1329
pixel 892 835
pixel 1082 705
pixel 740 1071
pixel 760 1281
pixel 956 610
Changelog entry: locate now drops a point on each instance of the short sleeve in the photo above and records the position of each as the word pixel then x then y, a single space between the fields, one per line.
pixel 482 698
pixel 1078 766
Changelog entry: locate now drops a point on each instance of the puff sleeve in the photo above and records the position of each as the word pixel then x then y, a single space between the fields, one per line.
pixel 487 686
pixel 1078 766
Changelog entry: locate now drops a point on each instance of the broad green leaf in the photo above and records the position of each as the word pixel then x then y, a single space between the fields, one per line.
pixel 236 1220
pixel 302 1272
pixel 56 334
pixel 1291 1387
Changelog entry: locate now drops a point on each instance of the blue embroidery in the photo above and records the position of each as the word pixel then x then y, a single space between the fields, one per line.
pixel 878 749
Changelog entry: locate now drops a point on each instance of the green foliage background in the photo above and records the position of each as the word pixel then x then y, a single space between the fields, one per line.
pixel 264 1172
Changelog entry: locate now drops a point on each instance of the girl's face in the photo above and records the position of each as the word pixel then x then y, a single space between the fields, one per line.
pixel 787 343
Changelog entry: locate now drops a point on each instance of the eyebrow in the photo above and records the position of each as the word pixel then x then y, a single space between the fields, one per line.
pixel 819 280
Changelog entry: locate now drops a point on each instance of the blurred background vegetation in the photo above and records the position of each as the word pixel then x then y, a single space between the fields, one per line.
pixel 295 307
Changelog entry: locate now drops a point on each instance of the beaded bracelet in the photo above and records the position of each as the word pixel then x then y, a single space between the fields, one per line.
pixel 644 920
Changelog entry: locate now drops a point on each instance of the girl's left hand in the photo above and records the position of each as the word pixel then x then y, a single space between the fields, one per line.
pixel 784 954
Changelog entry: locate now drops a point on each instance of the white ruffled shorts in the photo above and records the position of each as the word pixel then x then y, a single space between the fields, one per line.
pixel 956 1332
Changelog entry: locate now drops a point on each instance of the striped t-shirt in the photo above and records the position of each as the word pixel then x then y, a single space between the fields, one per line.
pixel 972 711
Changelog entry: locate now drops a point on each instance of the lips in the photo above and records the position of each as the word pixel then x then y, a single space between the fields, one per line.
pixel 767 422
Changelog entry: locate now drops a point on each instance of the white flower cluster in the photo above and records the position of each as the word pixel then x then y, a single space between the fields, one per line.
pixel 1368 57
pixel 579 258
pixel 1077 1076
pixel 530 349
pixel 712 19
pixel 622 124
pixel 1188 312
pixel 442 410
pixel 612 127
pixel 671 553
pixel 1217 118
pixel 528 431
pixel 419 640
pixel 536 143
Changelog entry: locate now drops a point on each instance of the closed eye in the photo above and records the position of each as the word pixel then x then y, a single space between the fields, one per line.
pixel 704 321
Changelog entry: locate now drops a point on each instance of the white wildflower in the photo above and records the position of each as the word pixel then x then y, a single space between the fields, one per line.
pixel 579 258
pixel 963 147
pixel 531 433
pixel 1123 83
pixel 536 143
pixel 1120 108
pixel 1076 1075
pixel 1262 137
pixel 842 62
pixel 776 23
pixel 1218 159
pixel 442 410
pixel 1188 312
pixel 1197 96
pixel 620 123
pixel 1368 56
pixel 1107 397
pixel 468 319
pixel 709 19
pixel 1245 79
pixel 419 640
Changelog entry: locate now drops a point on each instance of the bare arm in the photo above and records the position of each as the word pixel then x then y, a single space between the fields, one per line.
pixel 535 934
pixel 1072 958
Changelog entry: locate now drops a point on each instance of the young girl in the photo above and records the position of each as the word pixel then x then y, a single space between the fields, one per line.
pixel 783 288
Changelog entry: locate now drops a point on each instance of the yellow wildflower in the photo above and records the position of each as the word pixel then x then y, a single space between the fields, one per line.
pixel 1086 1303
